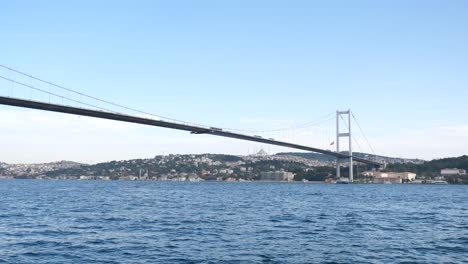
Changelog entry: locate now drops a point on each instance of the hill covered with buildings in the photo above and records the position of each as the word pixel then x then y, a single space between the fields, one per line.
pixel 281 166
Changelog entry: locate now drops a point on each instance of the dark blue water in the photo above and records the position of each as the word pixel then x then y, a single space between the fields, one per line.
pixel 178 222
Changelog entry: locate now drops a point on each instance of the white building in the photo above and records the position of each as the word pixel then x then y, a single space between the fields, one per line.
pixel 393 177
pixel 452 172
pixel 368 173
pixel 276 176
pixel 226 171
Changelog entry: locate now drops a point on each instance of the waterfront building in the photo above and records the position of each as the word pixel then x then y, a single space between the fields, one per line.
pixel 452 172
pixel 393 177
pixel 368 173
pixel 387 180
pixel 276 176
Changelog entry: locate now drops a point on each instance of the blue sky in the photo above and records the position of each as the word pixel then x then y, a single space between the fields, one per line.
pixel 401 66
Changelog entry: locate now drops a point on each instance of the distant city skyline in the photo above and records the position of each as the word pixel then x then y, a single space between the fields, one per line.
pixel 400 67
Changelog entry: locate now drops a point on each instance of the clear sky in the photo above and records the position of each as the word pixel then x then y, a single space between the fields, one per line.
pixel 401 66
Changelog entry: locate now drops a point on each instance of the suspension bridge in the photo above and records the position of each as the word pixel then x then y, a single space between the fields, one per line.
pixel 24 80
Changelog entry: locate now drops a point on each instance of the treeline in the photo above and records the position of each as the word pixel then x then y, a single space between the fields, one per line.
pixel 313 174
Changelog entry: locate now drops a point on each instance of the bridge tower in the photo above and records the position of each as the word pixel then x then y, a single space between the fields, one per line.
pixel 339 134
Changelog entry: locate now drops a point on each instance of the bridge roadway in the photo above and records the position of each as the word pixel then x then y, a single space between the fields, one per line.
pixel 160 123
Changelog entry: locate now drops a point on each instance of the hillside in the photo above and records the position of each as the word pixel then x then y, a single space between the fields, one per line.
pixel 433 167
pixel 322 157
pixel 308 166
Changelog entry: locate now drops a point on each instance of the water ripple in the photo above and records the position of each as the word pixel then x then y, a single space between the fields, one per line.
pixel 178 222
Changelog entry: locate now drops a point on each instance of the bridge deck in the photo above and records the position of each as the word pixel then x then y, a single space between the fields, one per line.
pixel 160 123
